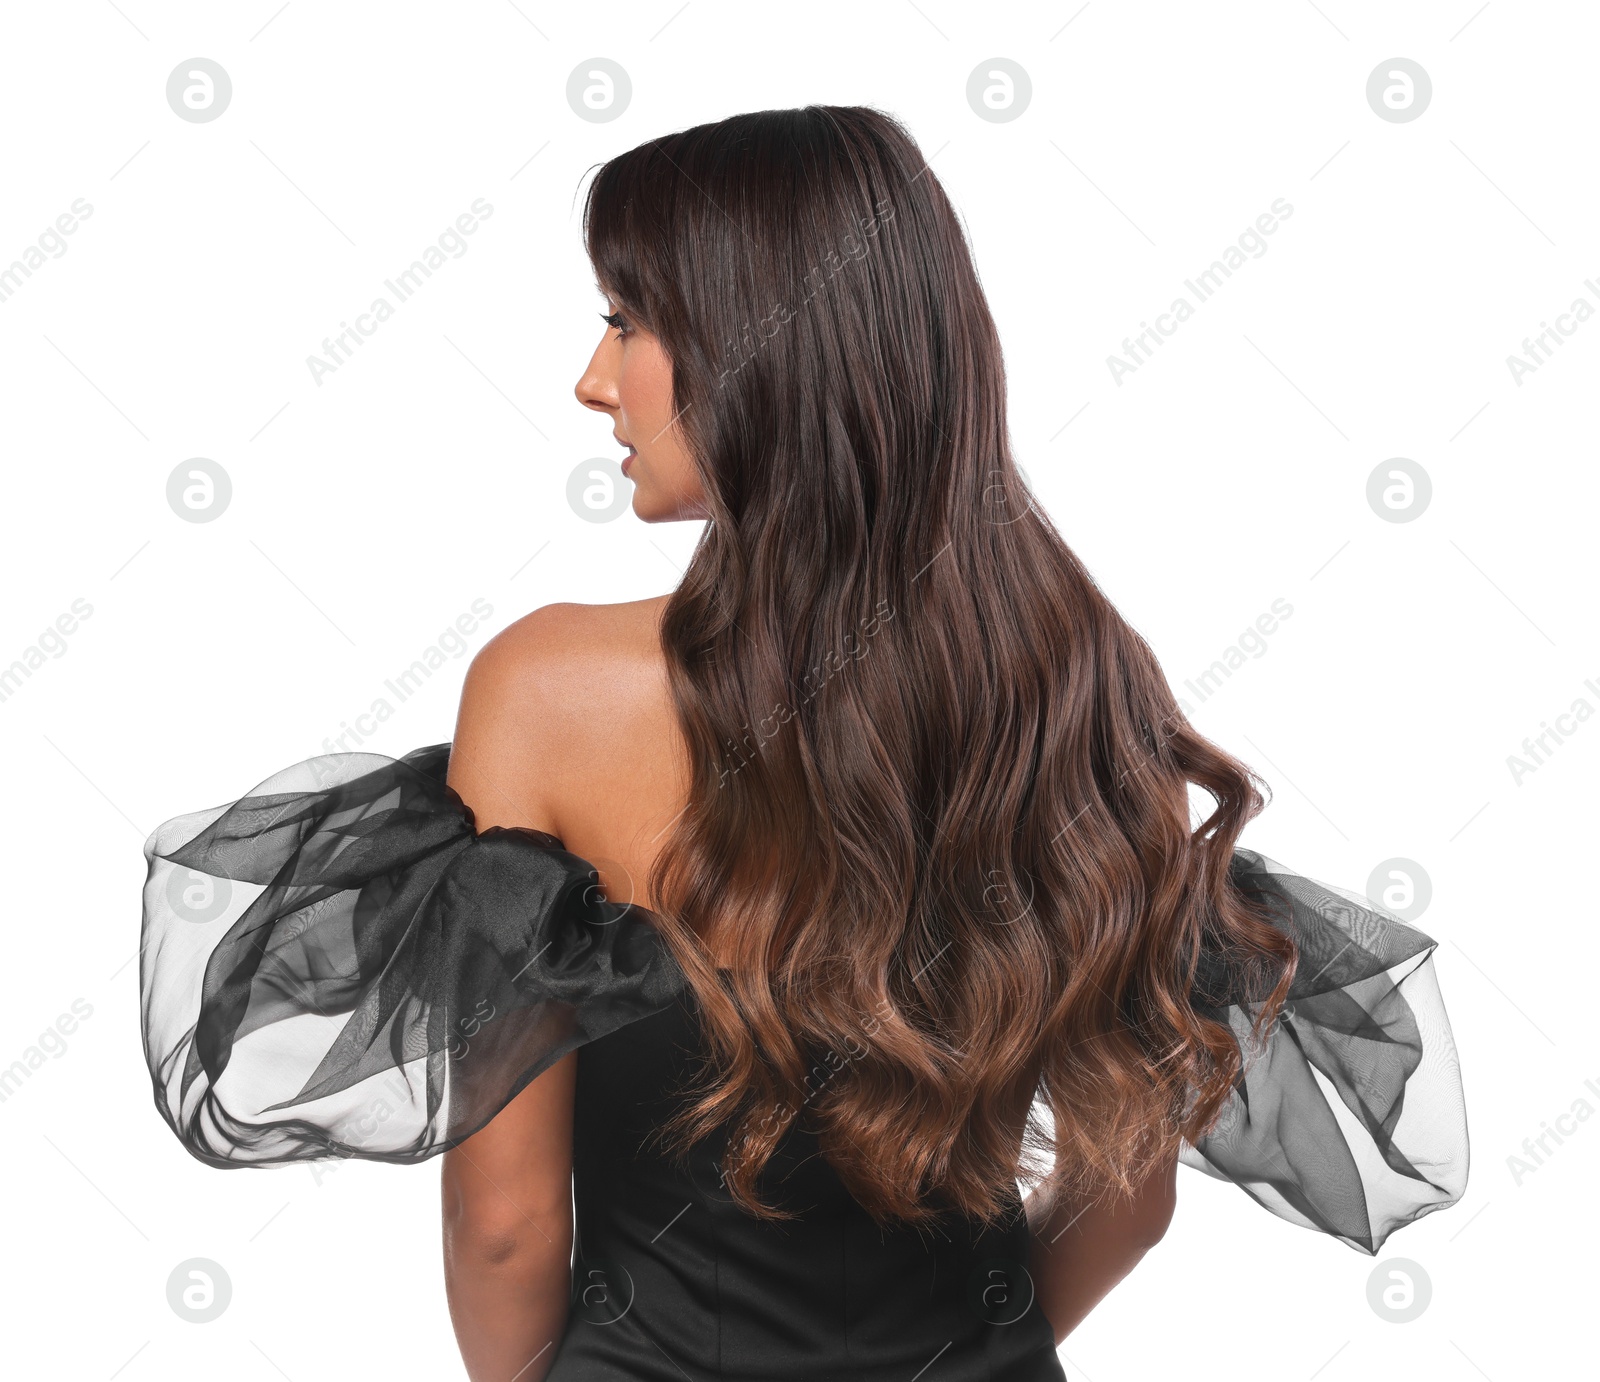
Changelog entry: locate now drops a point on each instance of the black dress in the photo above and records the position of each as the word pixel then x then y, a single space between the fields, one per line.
pixel 671 1279
pixel 338 964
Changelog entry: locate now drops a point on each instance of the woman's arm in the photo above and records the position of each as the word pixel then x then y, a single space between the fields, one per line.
pixel 1077 1253
pixel 507 1201
pixel 507 1190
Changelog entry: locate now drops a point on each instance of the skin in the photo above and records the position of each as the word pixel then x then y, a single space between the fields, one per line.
pixel 1078 1252
pixel 566 725
pixel 629 378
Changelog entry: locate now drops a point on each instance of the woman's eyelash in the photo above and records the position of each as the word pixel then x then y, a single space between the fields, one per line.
pixel 615 321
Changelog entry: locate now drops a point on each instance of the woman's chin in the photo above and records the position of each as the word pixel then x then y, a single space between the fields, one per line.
pixel 648 509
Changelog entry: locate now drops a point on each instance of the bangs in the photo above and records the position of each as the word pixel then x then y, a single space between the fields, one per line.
pixel 629 226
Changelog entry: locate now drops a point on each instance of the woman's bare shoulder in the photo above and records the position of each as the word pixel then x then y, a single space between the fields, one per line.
pixel 549 646
pixel 563 691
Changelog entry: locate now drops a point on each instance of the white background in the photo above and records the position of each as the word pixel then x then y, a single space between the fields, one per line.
pixel 430 471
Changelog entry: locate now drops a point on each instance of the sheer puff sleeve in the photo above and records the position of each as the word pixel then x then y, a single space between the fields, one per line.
pixel 338 965
pixel 1349 1116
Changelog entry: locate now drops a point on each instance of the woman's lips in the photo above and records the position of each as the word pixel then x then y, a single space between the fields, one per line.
pixel 628 460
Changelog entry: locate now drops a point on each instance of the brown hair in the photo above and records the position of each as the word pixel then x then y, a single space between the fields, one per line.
pixel 939 820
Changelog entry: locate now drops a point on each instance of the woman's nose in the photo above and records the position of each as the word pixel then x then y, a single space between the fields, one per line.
pixel 597 388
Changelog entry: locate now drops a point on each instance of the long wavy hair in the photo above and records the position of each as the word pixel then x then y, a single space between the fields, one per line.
pixel 939 827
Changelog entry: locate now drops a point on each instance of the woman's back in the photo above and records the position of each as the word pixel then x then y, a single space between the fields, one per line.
pixel 670 1277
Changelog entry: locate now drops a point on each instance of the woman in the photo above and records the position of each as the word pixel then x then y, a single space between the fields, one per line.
pixel 901 897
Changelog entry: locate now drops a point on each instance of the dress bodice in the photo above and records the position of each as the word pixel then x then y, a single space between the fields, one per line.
pixel 671 1279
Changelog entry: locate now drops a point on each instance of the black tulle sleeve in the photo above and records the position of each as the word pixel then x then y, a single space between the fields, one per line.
pixel 1349 1116
pixel 338 964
